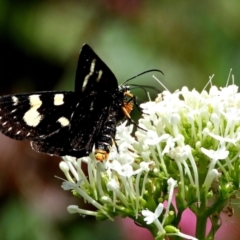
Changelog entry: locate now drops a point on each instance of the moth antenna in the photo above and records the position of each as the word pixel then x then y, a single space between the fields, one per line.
pixel 144 86
pixel 147 71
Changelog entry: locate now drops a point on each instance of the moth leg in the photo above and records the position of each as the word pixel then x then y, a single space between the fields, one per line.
pixel 115 143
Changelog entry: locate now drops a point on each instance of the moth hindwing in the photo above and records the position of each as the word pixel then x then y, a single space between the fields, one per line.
pixel 73 122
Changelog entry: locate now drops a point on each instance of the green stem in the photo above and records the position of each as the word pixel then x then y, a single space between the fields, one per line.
pixel 201 227
pixel 140 222
pixel 201 223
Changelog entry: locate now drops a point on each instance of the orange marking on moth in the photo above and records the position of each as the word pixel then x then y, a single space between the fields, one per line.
pixel 127 105
pixel 101 155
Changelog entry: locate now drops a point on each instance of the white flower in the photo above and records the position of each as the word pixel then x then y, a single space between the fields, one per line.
pixel 153 138
pixel 150 217
pixel 220 154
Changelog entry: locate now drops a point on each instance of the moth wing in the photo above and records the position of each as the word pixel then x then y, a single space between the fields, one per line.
pixel 79 138
pixel 36 115
pixel 63 123
pixel 93 75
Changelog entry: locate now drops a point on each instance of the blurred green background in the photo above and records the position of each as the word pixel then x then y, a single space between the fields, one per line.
pixel 40 42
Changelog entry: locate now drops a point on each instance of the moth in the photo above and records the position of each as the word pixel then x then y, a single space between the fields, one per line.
pixel 70 122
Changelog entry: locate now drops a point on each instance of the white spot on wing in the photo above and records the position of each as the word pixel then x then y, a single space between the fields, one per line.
pixel 15 100
pixel 99 75
pixel 18 132
pixel 14 110
pixel 32 117
pixel 89 75
pixel 58 99
pixel 10 129
pixel 91 106
pixel 4 123
pixel 63 121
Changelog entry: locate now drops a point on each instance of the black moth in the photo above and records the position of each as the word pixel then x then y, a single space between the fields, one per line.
pixel 70 123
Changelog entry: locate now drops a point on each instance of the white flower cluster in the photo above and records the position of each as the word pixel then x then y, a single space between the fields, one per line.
pixel 186 138
pixel 196 131
pixel 106 184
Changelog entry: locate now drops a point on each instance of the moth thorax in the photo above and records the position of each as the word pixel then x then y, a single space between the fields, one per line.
pixel 101 155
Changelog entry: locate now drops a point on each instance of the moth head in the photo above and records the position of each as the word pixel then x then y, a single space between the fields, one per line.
pixel 124 88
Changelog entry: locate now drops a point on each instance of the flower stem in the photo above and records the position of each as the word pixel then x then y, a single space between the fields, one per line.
pixel 201 222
